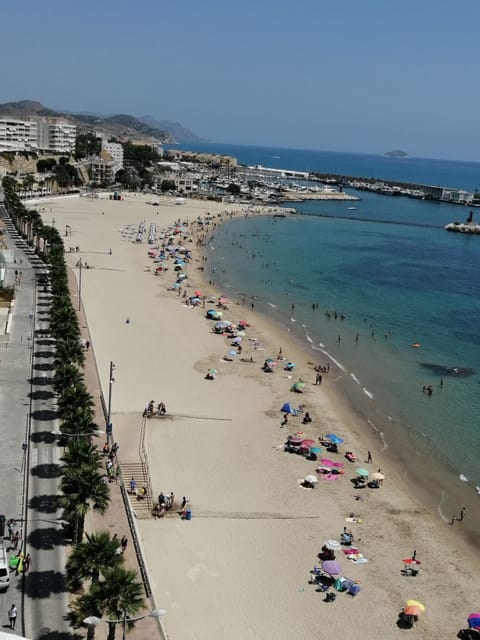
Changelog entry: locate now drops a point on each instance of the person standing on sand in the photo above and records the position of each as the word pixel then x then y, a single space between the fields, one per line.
pixel 462 514
pixel 369 456
pixel 285 420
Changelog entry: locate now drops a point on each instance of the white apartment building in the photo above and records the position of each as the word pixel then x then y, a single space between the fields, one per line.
pixel 116 151
pixel 18 135
pixel 54 134
pixel 34 133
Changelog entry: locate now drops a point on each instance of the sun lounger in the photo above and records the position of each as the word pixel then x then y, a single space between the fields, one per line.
pixel 355 519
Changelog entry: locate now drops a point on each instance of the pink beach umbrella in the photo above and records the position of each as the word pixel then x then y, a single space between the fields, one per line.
pixel 327 462
pixel 306 444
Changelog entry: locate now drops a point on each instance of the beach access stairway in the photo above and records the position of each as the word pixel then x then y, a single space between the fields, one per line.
pixel 139 471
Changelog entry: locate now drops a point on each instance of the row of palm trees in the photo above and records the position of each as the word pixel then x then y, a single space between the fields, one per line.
pixel 94 571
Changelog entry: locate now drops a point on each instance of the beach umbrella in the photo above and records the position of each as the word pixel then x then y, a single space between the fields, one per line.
pixel 334 439
pixel 213 371
pixel 413 608
pixel 332 567
pixel 175 285
pixel 241 334
pixel 237 340
pixel 315 450
pixel 212 312
pixel 363 473
pixel 197 293
pixel 232 353
pixel 412 562
pixel 295 440
pixel 243 323
pixel 286 408
pixel 333 545
pixel 311 479
pixel 378 476
pixel 307 443
pixel 474 621
pixel 327 462
pixel 223 324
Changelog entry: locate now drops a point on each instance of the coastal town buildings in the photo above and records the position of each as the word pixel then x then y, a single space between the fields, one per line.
pixel 116 152
pixel 102 168
pixel 36 133
pixel 17 135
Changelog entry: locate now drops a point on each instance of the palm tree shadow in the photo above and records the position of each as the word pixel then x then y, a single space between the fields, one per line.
pixel 41 395
pixel 43 584
pixel 45 503
pixel 44 415
pixel 41 381
pixel 43 366
pixel 59 635
pixel 44 354
pixel 47 470
pixel 47 538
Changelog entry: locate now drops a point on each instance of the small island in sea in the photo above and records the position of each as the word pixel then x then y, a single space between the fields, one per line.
pixel 396 153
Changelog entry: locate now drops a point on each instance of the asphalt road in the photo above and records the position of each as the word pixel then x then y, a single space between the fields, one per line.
pixel 29 477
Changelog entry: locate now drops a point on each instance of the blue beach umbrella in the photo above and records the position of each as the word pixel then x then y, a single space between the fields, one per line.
pixel 315 450
pixel 474 621
pixel 232 353
pixel 286 408
pixel 334 439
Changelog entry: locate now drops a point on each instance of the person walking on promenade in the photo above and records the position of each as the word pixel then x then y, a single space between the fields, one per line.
pixel 12 616
pixel 369 456
pixel 26 563
pixel 123 543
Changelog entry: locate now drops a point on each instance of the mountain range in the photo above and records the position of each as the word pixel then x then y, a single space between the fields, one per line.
pixel 120 125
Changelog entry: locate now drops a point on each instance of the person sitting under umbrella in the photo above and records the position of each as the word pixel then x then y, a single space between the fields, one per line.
pixel 346 537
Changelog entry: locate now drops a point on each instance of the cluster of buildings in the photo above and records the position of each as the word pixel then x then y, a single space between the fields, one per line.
pixel 37 133
pixel 57 136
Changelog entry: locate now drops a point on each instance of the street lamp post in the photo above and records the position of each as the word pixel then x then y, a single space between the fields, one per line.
pixel 80 285
pixel 111 380
pixel 93 620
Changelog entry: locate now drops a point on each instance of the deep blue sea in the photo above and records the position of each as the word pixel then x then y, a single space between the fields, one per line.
pixel 398 277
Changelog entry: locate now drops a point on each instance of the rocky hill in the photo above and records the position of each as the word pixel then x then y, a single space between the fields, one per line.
pixel 124 127
pixel 175 129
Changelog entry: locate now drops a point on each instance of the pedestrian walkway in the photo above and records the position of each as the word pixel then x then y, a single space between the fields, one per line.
pixel 115 519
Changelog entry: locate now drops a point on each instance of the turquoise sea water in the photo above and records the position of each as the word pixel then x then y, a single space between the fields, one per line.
pixel 415 283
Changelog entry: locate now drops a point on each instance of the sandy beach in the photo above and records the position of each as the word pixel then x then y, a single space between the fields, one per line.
pixel 240 567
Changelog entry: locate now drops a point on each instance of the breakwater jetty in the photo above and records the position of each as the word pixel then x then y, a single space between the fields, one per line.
pixel 406 189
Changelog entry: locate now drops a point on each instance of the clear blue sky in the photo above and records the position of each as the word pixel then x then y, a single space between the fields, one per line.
pixel 319 74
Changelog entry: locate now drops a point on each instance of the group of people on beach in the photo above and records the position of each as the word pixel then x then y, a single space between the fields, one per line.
pixel 150 409
pixel 167 502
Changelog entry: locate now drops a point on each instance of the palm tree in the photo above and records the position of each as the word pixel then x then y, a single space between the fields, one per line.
pixel 81 452
pixel 72 399
pixel 119 597
pixel 66 376
pixel 69 350
pixel 92 558
pixel 83 486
